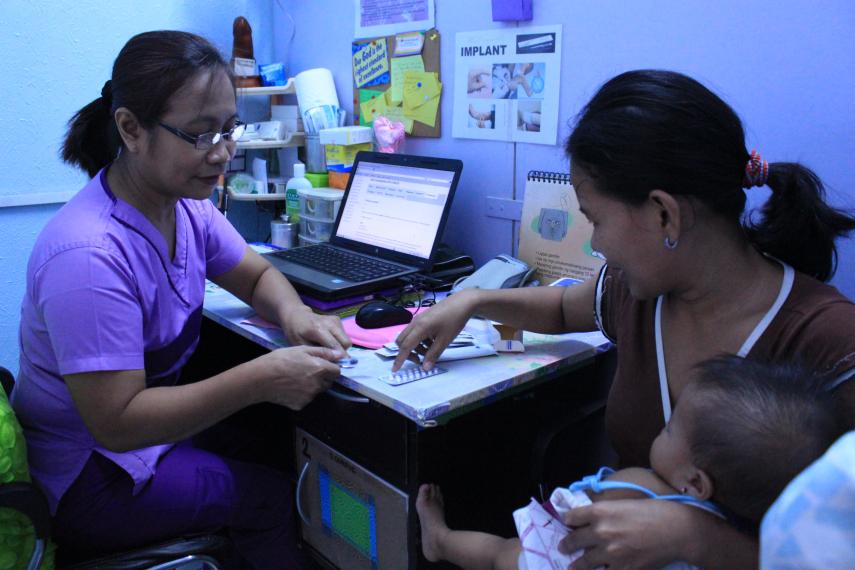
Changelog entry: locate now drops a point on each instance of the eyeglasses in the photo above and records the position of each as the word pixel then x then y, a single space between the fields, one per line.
pixel 206 141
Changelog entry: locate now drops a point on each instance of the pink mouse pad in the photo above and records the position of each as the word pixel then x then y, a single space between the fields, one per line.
pixel 373 338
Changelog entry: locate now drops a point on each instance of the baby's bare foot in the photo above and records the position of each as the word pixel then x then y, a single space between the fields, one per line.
pixel 431 510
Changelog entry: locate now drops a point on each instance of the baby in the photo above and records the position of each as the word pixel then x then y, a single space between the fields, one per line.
pixel 739 433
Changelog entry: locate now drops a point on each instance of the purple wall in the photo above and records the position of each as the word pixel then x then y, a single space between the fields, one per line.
pixel 785 66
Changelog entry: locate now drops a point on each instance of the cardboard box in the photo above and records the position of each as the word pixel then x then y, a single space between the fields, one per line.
pixel 346 135
pixel 340 157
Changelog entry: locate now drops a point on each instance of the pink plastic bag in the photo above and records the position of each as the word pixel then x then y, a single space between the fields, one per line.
pixel 389 134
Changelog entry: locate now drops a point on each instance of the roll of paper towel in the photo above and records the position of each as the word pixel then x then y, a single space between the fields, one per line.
pixel 315 88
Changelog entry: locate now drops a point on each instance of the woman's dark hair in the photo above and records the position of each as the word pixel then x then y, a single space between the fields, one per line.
pixel 757 425
pixel 651 129
pixel 147 72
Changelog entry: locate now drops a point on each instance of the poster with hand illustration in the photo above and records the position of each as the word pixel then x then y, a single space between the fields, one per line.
pixel 507 83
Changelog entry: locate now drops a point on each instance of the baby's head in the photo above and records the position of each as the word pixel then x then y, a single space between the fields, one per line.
pixel 742 431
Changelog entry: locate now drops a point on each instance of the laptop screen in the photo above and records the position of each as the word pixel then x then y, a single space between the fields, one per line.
pixel 395 207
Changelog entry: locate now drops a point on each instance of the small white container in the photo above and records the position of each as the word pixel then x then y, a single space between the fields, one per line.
pixel 320 203
pixel 276 185
pixel 307 240
pixel 316 228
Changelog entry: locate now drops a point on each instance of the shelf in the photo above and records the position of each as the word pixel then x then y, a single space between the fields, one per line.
pixel 296 139
pixel 255 197
pixel 287 89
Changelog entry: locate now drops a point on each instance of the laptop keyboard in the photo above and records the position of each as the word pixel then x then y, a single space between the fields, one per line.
pixel 339 262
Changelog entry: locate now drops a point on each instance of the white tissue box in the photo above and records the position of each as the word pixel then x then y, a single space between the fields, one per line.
pixel 346 135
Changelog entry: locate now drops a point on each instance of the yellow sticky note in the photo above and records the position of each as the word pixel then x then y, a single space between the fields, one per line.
pixel 424 113
pixel 372 107
pixel 400 66
pixel 421 97
pixel 420 87
pixel 396 113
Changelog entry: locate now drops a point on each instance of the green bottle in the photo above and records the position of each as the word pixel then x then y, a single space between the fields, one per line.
pixel 292 198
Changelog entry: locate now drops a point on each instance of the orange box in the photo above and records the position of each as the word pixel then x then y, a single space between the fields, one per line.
pixel 338 179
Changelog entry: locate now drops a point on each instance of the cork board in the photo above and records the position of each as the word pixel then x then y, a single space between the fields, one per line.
pixel 383 82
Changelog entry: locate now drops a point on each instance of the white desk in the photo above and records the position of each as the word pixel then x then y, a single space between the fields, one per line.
pixel 431 400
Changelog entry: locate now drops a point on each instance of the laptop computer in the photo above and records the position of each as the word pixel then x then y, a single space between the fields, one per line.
pixel 388 226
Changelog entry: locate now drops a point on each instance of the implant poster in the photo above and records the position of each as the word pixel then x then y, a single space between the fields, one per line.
pixel 507 83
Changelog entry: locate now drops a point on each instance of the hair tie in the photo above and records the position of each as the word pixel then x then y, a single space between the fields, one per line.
pixel 107 93
pixel 756 171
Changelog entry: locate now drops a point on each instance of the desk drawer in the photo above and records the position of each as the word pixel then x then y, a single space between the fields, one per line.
pixel 367 432
pixel 356 520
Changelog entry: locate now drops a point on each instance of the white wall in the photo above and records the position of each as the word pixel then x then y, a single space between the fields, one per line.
pixel 784 65
pixel 56 57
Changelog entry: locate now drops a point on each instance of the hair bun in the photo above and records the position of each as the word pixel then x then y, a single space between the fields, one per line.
pixel 107 92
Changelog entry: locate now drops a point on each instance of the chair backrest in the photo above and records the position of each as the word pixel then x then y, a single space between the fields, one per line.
pixel 201 552
pixel 7 380
pixel 27 535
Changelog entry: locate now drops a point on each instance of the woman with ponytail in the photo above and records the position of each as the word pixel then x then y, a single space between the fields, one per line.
pixel 112 313
pixel 660 168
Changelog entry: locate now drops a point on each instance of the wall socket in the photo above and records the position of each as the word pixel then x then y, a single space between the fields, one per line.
pixel 503 208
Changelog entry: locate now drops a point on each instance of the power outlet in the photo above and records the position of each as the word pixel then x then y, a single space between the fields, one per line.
pixel 503 208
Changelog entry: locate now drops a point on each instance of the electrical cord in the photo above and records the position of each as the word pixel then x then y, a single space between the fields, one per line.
pixel 414 284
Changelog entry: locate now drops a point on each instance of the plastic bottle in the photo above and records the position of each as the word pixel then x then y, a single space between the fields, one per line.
pixel 292 198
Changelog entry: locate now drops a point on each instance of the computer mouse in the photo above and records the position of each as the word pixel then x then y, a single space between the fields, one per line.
pixel 379 314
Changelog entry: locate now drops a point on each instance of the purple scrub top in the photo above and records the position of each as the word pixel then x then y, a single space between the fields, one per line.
pixel 102 294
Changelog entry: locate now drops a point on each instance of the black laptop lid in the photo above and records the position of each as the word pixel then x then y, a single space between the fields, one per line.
pixel 396 206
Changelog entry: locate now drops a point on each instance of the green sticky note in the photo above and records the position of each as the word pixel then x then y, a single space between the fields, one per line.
pixel 373 107
pixel 366 95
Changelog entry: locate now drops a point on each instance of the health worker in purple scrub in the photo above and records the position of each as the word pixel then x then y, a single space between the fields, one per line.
pixel 112 312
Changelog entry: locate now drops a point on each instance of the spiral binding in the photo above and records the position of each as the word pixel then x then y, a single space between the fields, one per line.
pixel 554 177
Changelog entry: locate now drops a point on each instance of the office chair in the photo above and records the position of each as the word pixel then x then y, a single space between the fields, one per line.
pixel 202 552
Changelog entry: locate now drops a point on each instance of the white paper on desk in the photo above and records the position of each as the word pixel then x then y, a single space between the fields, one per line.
pixel 464 352
pixel 482 334
pixel 482 331
pixel 475 340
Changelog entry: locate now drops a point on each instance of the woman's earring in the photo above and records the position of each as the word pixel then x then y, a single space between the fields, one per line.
pixel 684 490
pixel 672 245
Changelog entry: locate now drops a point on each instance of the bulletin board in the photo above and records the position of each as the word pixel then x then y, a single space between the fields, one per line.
pixel 391 79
